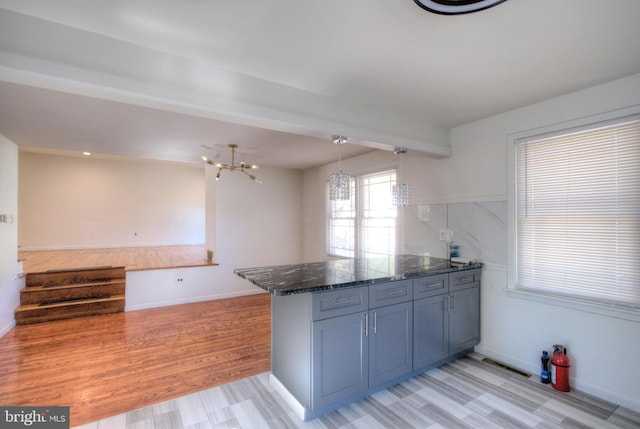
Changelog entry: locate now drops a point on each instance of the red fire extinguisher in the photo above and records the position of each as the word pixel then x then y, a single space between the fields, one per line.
pixel 560 369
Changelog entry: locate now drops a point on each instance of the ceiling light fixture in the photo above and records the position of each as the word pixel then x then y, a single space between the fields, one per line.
pixel 339 183
pixel 456 7
pixel 242 167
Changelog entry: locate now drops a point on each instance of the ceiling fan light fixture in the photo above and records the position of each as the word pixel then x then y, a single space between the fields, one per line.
pixel 456 7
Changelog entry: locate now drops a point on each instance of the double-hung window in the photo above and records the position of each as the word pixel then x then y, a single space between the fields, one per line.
pixel 365 225
pixel 577 212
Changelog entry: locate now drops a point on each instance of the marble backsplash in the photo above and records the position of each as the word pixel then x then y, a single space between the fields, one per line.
pixel 479 229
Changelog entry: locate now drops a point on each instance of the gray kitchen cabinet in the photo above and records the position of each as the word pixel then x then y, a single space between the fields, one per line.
pixel 354 351
pixel 339 359
pixel 430 330
pixel 448 321
pixel 464 319
pixel 424 287
pixel 390 342
pixel 332 347
pixel 464 310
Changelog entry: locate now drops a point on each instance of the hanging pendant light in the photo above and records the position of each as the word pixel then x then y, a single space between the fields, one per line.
pixel 400 191
pixel 339 182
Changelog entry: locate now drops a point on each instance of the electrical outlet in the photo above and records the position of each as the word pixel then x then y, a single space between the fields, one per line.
pixel 179 278
pixel 446 235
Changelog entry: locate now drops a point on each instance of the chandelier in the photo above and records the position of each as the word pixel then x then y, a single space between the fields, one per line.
pixel 339 182
pixel 242 167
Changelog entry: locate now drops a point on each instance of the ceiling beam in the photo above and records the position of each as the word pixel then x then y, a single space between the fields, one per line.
pixel 45 54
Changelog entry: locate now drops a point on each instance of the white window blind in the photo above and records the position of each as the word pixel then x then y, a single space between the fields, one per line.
pixel 578 213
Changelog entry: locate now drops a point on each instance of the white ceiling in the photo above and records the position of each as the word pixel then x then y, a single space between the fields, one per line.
pixel 32 117
pixel 391 56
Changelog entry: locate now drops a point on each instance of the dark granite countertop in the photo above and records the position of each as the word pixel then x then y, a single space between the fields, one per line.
pixel 320 276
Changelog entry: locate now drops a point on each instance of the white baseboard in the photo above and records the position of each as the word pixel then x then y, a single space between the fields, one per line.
pixel 103 246
pixel 189 300
pixel 614 397
pixel 288 398
pixel 7 328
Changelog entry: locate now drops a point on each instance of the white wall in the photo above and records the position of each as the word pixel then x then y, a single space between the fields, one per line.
pixel 604 348
pixel 255 225
pixel 9 266
pixel 248 225
pixel 73 202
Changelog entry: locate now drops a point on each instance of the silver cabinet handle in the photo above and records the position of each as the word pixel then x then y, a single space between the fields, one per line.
pixel 465 279
pixel 453 302
pixel 366 324
pixel 375 322
pixel 342 301
pixel 394 292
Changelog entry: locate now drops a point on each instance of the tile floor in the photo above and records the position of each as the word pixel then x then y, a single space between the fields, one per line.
pixel 466 393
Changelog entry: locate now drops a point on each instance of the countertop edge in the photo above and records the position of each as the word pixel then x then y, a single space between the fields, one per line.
pixel 357 283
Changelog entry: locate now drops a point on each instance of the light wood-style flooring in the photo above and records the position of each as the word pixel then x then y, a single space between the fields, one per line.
pixel 105 365
pixel 465 394
pixel 205 365
pixel 132 258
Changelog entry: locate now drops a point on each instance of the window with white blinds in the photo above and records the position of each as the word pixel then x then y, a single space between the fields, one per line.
pixel 577 212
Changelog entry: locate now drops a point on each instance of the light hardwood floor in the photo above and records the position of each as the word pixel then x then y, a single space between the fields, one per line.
pixel 105 365
pixel 132 258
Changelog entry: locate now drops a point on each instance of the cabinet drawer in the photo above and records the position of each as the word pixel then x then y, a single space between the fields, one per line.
pixel 339 302
pixel 390 293
pixel 430 286
pixel 464 279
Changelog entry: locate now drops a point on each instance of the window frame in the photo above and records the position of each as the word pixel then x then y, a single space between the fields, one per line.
pixel 357 193
pixel 611 309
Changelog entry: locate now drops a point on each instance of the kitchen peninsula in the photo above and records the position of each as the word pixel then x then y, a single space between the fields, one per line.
pixel 344 329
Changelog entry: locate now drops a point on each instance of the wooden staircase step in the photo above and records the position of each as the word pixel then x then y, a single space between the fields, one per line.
pixel 68 292
pixel 34 313
pixel 80 275
pixel 64 294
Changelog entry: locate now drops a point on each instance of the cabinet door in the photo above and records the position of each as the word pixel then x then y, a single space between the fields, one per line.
pixel 339 359
pixel 390 342
pixel 430 330
pixel 464 319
